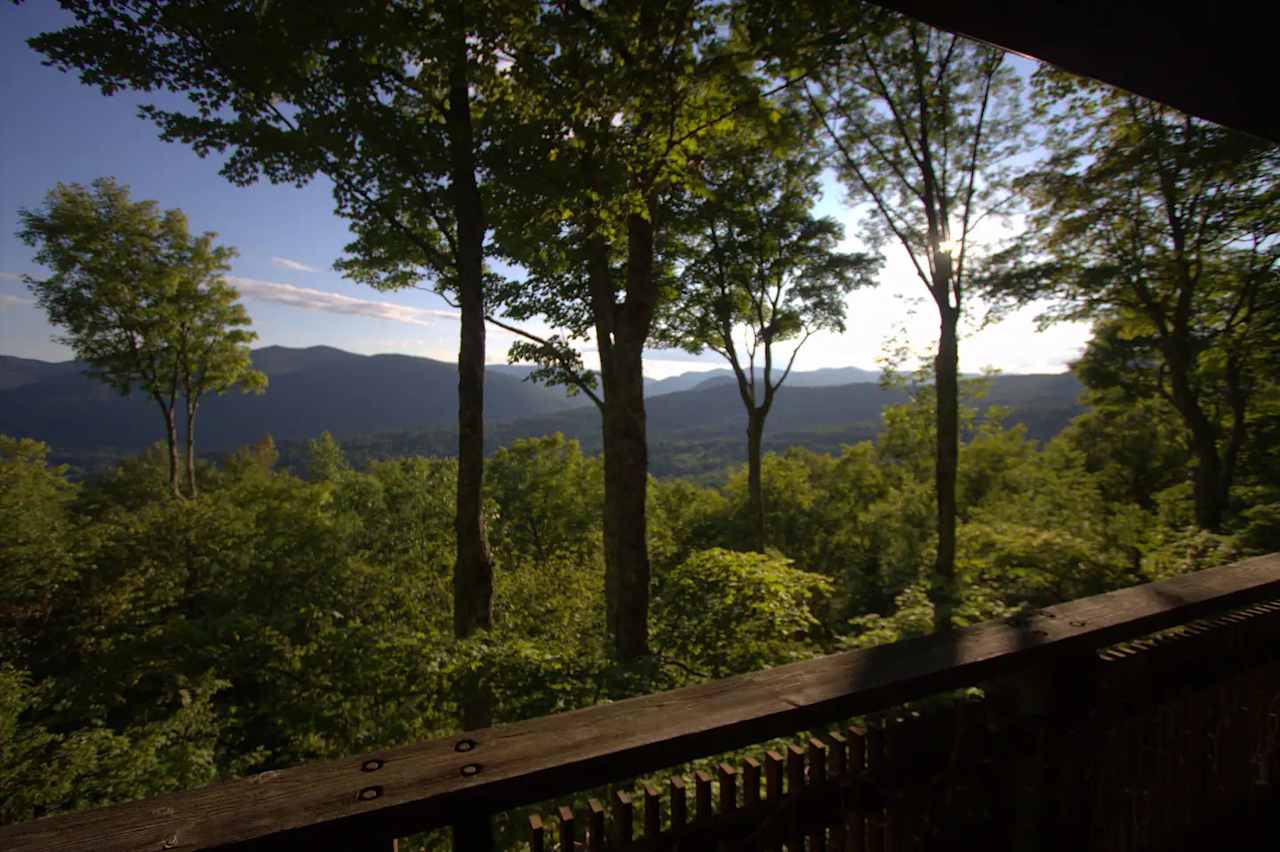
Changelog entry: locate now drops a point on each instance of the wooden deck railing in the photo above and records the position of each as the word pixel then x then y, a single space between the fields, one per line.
pixel 1057 676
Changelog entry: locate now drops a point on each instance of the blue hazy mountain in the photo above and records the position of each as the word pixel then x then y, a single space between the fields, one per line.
pixel 310 390
pixel 399 404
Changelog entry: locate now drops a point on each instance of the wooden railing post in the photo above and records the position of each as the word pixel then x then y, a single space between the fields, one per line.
pixel 1033 696
pixel 1040 705
pixel 473 833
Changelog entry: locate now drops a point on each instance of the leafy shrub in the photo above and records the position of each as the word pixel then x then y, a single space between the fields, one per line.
pixel 722 611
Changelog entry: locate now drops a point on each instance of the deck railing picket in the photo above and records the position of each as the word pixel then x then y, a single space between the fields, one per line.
pixel 817 778
pixel 623 819
pixel 536 842
pixel 702 797
pixel 679 804
pixel 877 775
pixel 751 802
pixel 839 751
pixel 774 827
pixel 595 826
pixel 750 782
pixel 891 770
pixel 728 779
pixel 567 835
pixel 854 812
pixel 795 796
pixel 652 811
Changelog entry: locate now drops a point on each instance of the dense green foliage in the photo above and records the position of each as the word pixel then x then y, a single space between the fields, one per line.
pixel 1162 228
pixel 152 645
pixel 921 125
pixel 758 265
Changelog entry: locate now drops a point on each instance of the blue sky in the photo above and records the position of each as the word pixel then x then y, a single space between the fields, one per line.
pixel 55 129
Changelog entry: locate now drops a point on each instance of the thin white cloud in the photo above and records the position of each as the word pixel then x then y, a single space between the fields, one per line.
pixel 7 301
pixel 336 303
pixel 295 265
pixel 10 276
pixel 663 368
pixel 679 355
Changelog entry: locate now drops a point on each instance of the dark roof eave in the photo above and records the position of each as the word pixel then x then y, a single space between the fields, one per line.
pixel 1202 60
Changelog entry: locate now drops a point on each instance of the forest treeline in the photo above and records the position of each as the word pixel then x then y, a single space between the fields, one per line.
pixel 649 171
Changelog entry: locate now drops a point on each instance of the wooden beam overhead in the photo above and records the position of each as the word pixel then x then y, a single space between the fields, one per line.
pixel 1215 61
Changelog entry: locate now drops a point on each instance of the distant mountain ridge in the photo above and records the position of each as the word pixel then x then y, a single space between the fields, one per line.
pixel 369 397
pixel 1043 402
pixel 701 433
pixel 822 377
pixel 16 372
pixel 310 390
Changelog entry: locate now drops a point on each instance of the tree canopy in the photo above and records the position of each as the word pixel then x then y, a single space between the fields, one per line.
pixel 1165 229
pixel 145 305
pixel 759 272
pixel 621 100
pixel 922 125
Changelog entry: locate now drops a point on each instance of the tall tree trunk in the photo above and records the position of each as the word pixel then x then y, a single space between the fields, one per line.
pixel 191 449
pixel 947 421
pixel 612 519
pixel 473 568
pixel 622 331
pixel 606 312
pixel 1238 398
pixel 1207 485
pixel 755 484
pixel 171 435
pixel 626 486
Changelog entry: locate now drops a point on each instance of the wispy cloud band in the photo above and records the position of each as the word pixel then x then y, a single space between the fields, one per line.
pixel 295 265
pixel 336 303
pixel 7 301
pixel 10 276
